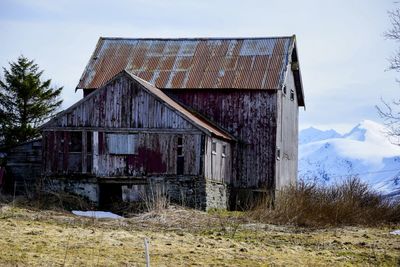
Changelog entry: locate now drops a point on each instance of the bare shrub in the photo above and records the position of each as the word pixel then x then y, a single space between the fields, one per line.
pixel 349 203
pixel 156 198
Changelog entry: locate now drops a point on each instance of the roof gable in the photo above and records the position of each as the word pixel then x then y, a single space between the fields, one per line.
pixel 61 119
pixel 242 63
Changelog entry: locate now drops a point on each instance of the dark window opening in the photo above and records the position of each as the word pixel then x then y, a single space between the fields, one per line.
pixel 180 157
pixel 180 147
pixel 278 153
pixel 180 151
pixel 292 94
pixel 284 90
pixel 180 165
pixel 75 143
pixel 223 154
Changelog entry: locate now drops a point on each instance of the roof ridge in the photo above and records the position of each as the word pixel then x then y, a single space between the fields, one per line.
pixel 197 38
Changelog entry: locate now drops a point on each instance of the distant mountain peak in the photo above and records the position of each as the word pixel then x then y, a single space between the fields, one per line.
pixel 365 151
pixel 313 134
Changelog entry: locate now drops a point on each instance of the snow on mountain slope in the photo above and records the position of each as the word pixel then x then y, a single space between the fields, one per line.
pixel 327 157
pixel 312 134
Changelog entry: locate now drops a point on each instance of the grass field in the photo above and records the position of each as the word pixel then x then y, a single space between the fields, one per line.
pixel 182 237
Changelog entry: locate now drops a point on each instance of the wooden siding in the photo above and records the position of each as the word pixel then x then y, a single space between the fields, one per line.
pixel 156 154
pixel 122 104
pixel 218 167
pixel 250 116
pixel 287 135
pixel 122 108
pixel 24 163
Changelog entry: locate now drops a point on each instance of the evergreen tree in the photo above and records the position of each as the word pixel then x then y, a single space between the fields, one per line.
pixel 25 101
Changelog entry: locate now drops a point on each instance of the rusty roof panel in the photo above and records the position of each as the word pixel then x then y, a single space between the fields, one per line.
pixel 243 63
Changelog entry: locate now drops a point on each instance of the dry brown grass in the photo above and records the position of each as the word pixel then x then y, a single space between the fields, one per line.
pixel 349 203
pixel 183 237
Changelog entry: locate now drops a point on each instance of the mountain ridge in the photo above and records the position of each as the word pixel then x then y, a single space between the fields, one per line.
pixel 327 157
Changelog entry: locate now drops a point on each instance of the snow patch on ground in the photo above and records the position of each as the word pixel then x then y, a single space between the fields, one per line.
pixel 395 232
pixel 97 214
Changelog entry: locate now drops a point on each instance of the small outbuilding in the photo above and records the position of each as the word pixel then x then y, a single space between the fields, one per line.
pixel 128 135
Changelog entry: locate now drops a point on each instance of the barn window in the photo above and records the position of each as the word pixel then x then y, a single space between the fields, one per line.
pixel 223 154
pixel 75 142
pixel 180 157
pixel 278 153
pixel 122 144
pixel 214 148
pixel 180 147
pixel 292 94
pixel 284 90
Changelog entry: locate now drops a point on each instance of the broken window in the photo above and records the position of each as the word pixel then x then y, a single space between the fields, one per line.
pixel 121 144
pixel 75 142
pixel 223 154
pixel 180 156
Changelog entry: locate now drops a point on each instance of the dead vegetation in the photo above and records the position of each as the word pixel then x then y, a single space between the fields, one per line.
pixel 42 233
pixel 349 203
pixel 178 236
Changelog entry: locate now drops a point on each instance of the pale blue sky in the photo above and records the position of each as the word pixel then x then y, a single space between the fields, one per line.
pixel 343 54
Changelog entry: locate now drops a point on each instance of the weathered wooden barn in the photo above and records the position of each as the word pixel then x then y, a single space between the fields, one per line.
pixel 213 120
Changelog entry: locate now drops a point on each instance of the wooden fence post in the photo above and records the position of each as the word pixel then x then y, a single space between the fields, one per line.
pixel 146 251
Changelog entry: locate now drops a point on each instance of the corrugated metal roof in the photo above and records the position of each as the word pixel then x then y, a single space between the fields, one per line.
pixel 242 63
pixel 196 120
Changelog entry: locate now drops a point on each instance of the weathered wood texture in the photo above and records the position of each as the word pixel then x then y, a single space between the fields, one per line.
pixel 217 164
pixel 287 135
pixel 104 119
pixel 250 116
pixel 122 104
pixel 24 162
pixel 156 154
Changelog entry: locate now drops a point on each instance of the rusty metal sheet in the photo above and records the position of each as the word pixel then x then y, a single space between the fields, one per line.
pixel 192 63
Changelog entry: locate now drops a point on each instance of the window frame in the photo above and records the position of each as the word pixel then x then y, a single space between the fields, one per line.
pixel 214 148
pixel 223 151
pixel 179 146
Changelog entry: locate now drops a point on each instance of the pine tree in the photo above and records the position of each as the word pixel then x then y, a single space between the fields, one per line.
pixel 25 101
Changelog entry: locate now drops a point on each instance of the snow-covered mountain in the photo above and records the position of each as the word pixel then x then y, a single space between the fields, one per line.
pixel 328 157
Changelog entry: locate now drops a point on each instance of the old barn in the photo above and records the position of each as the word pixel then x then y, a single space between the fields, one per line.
pixel 214 121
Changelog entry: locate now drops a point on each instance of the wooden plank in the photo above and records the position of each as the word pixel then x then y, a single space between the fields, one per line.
pixel 84 152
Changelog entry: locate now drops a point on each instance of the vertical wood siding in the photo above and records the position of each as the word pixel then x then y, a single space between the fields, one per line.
pixel 122 108
pixel 217 167
pixel 123 104
pixel 287 135
pixel 251 117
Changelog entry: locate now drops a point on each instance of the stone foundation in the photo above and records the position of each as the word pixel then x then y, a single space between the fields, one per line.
pixel 194 192
pixel 86 188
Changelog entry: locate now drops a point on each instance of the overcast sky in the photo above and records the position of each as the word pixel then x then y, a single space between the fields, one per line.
pixel 343 54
